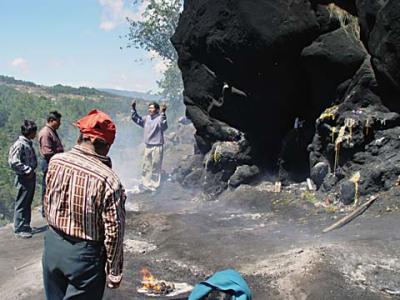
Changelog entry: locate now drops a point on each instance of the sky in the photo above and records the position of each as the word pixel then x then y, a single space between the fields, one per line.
pixel 76 43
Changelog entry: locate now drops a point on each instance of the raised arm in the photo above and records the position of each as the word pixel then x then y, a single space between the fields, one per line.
pixel 135 116
pixel 164 124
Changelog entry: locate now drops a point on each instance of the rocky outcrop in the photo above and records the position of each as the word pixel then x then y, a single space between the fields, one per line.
pixel 290 85
pixel 384 45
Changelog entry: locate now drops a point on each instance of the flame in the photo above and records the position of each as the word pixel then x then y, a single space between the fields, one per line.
pixel 149 281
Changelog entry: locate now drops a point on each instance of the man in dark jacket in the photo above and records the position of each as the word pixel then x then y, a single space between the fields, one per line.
pixel 49 144
pixel 22 159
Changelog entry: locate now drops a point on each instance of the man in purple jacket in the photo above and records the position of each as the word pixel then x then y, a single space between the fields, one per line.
pixel 154 124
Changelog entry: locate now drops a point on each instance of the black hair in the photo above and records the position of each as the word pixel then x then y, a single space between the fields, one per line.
pixel 98 143
pixel 28 127
pixel 155 104
pixel 53 116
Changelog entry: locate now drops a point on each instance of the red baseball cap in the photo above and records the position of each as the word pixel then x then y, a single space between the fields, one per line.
pixel 97 124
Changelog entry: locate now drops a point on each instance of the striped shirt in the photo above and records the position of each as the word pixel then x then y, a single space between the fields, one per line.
pixel 85 199
pixel 22 156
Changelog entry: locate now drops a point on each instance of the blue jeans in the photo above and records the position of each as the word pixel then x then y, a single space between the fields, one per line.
pixel 23 202
pixel 72 268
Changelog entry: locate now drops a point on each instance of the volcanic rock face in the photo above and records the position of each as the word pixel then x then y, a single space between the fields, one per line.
pixel 285 85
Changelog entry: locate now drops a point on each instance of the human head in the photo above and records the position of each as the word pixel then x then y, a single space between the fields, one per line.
pixel 99 145
pixel 99 128
pixel 153 108
pixel 54 119
pixel 29 129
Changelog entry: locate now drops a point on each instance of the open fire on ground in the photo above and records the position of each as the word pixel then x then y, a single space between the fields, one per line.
pixel 154 287
pixel 151 285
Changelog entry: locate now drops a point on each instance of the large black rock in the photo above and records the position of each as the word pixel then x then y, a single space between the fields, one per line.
pixel 384 45
pixel 258 75
pixel 366 12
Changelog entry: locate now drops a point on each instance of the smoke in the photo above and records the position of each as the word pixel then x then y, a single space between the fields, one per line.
pixel 127 152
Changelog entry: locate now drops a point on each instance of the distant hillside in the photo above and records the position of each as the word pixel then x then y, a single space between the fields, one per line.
pixel 59 90
pixel 12 80
pixel 63 89
pixel 132 94
pixel 21 100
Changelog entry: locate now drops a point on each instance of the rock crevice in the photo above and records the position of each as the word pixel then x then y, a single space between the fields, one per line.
pixel 258 76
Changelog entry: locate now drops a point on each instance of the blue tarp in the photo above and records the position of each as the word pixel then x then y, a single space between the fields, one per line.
pixel 227 280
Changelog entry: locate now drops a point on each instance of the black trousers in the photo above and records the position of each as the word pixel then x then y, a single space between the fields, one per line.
pixel 44 167
pixel 72 268
pixel 23 202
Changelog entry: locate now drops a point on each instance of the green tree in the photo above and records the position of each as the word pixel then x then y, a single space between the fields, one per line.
pixel 17 105
pixel 154 30
pixel 171 88
pixel 153 33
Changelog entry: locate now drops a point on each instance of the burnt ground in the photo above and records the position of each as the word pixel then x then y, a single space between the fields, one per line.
pixel 274 239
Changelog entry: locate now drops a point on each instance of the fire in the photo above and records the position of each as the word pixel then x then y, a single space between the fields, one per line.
pixel 151 284
pixel 149 281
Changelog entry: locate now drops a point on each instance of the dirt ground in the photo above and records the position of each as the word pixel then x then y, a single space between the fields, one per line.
pixel 274 240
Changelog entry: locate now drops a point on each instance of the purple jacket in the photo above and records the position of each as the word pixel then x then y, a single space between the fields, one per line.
pixel 154 127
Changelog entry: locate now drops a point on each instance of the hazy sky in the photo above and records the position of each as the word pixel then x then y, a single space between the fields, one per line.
pixel 73 42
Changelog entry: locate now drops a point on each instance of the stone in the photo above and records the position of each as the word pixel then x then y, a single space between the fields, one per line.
pixel 329 183
pixel 319 172
pixel 187 166
pixel 340 52
pixel 253 47
pixel 252 67
pixel 347 192
pixel 384 45
pixel 244 174
pixel 193 179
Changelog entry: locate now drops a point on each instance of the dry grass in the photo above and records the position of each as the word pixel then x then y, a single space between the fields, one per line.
pixel 347 21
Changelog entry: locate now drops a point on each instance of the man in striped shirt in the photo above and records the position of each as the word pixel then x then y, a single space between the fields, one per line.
pixel 84 206
pixel 22 159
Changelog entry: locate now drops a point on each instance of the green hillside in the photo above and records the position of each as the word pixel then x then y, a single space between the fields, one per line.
pixel 21 100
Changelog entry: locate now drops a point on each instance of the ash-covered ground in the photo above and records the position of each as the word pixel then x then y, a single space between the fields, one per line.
pixel 274 240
